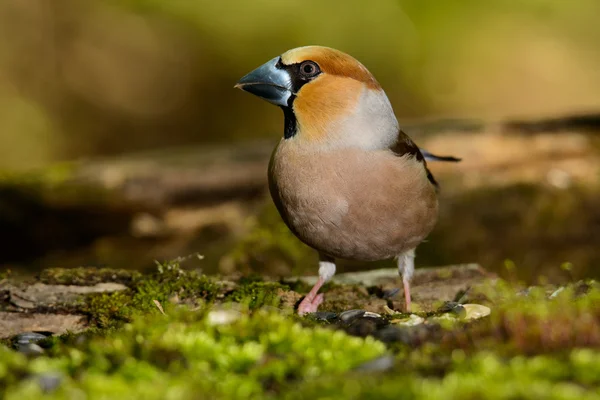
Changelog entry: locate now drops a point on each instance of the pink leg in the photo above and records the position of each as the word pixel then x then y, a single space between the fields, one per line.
pixel 406 267
pixel 312 300
pixel 406 294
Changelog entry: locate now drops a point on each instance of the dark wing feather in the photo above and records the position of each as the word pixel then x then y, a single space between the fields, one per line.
pixel 432 157
pixel 404 145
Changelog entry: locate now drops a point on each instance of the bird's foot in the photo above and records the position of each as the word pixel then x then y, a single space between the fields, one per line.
pixel 310 304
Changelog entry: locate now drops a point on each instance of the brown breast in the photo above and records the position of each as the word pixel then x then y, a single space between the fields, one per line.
pixel 353 204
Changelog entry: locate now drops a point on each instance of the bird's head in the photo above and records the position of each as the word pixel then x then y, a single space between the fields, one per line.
pixel 328 98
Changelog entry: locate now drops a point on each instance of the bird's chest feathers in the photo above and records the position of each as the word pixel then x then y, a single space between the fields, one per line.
pixel 307 191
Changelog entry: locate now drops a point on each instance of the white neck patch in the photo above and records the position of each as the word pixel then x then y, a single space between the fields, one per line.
pixel 372 125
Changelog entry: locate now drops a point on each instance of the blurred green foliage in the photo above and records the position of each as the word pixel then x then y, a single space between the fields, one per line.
pixel 106 76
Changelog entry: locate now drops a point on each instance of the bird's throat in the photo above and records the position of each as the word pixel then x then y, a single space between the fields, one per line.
pixel 290 123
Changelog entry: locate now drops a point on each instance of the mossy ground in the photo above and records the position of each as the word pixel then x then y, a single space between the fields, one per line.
pixel 242 340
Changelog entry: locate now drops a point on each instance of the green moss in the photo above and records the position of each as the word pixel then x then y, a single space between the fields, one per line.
pixel 109 310
pixel 183 355
pixel 542 343
pixel 251 278
pixel 168 284
pixel 87 276
pixel 485 376
pixel 13 367
pixel 264 355
pixel 300 286
pixel 258 294
pixel 170 280
pixel 535 323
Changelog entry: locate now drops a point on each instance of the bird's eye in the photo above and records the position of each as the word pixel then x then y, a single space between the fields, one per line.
pixel 309 69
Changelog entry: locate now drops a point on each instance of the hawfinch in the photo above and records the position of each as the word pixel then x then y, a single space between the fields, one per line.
pixel 345 179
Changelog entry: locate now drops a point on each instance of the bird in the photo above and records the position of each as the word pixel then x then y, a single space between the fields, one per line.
pixel 346 180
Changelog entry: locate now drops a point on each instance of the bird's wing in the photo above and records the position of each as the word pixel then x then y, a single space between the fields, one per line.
pixel 405 145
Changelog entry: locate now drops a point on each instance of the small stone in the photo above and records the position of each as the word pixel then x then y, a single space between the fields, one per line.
pixel 350 315
pixel 391 293
pixel 410 321
pixel 49 382
pixel 222 317
pixel 380 364
pixel 324 316
pixel 29 337
pixel 475 311
pixel 452 307
pixel 30 349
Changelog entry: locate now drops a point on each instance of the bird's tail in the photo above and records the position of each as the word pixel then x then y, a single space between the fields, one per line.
pixel 432 157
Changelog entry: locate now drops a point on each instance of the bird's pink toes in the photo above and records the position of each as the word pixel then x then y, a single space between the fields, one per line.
pixel 318 300
pixel 310 305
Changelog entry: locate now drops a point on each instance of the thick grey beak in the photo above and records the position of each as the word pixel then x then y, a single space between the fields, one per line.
pixel 268 82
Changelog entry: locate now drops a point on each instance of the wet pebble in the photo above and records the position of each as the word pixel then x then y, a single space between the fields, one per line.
pixel 30 349
pixel 350 315
pixel 380 364
pixel 325 316
pixel 369 314
pixel 28 337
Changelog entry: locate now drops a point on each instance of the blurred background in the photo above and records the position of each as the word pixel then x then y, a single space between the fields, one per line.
pixel 122 140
